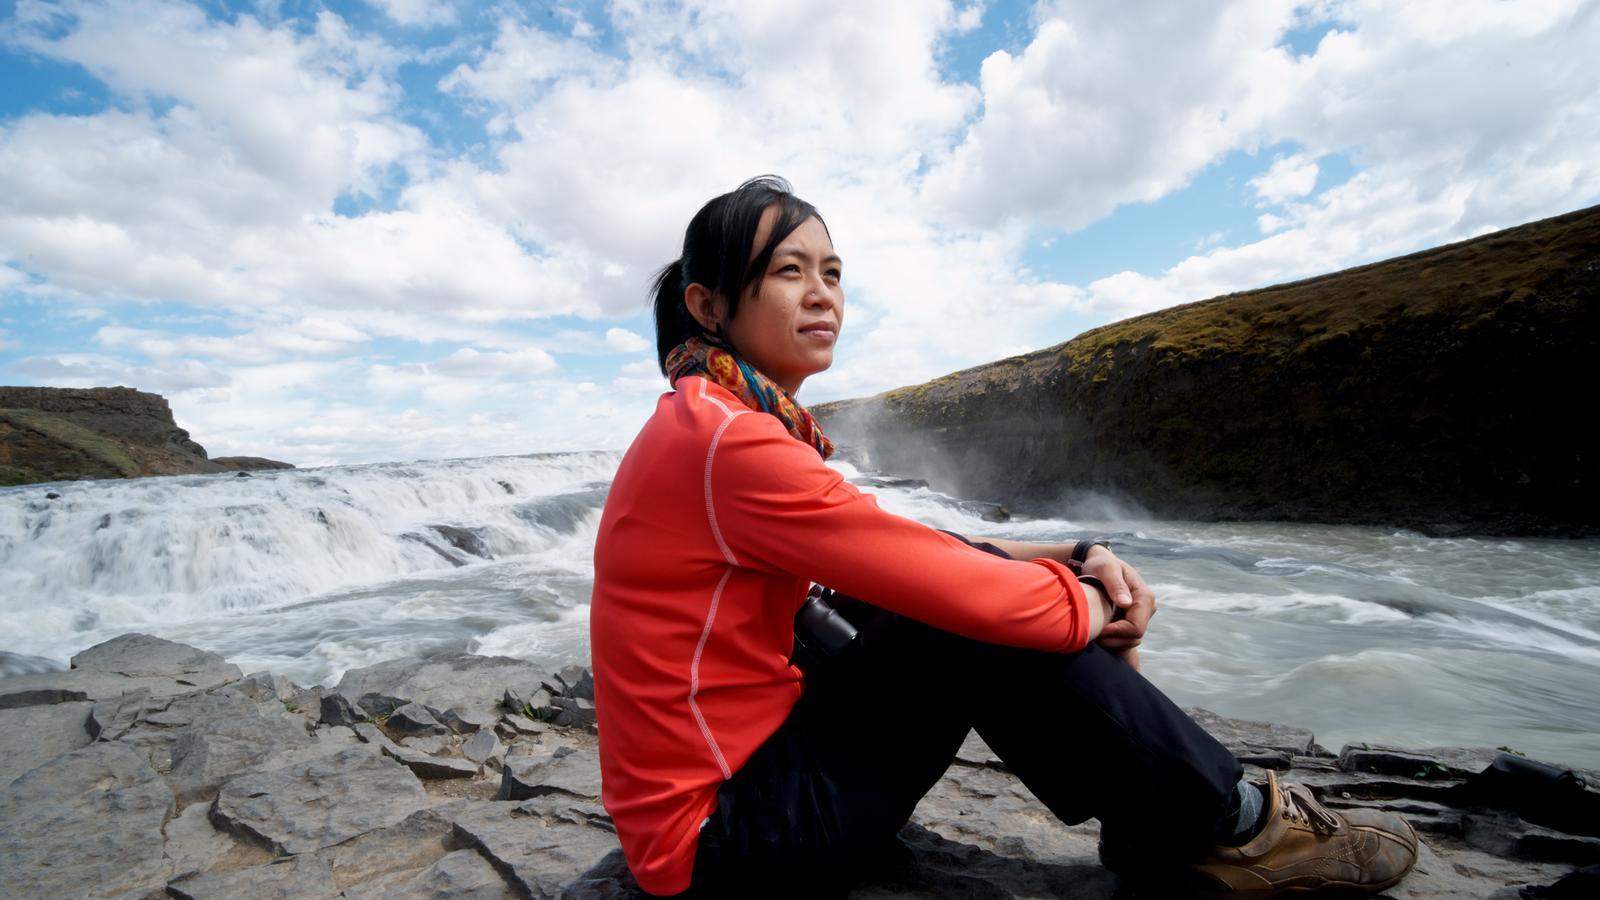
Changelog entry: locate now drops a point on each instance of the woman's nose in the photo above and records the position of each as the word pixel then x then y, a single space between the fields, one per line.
pixel 820 293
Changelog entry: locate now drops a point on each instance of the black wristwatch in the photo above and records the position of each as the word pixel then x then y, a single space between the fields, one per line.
pixel 1080 553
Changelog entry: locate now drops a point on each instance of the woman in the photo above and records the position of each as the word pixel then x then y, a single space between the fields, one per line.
pixel 728 768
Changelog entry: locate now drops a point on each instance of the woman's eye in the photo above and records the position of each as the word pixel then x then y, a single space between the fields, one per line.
pixel 835 274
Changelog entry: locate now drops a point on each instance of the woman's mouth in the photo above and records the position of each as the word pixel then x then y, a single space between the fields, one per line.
pixel 821 331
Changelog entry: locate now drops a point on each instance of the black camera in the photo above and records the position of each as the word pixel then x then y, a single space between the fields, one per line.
pixel 820 627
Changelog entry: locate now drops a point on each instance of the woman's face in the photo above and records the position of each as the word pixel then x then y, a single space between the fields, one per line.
pixel 788 322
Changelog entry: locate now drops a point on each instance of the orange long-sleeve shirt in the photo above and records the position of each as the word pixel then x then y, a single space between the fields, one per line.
pixel 715 526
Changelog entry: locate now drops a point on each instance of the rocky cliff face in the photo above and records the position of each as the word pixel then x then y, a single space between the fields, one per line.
pixel 59 434
pixel 1448 391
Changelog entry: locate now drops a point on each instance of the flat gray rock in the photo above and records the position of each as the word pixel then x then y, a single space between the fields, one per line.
pixel 1256 739
pixel 193 843
pixel 31 736
pixel 87 823
pixel 465 682
pixel 1430 762
pixel 523 724
pixel 144 655
pixel 429 766
pixel 540 849
pixel 974 752
pixel 413 843
pixel 466 721
pixel 76 684
pixel 482 747
pixel 462 875
pixel 305 807
pixel 428 743
pixel 199 739
pixel 567 771
pixel 122 664
pixel 299 877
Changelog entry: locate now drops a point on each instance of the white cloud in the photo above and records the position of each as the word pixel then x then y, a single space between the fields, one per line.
pixel 624 341
pixel 417 12
pixel 6 343
pixel 211 180
pixel 1111 103
pixel 468 361
pixel 1288 178
pixel 92 370
pixel 312 336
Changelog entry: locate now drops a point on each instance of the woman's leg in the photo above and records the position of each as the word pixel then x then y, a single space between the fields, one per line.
pixel 878 727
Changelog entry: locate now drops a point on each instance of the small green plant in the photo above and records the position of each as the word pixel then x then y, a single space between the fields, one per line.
pixel 1432 770
pixel 1512 751
pixel 291 706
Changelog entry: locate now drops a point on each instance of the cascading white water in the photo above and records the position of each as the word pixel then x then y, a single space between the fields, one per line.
pixel 116 555
pixel 1357 633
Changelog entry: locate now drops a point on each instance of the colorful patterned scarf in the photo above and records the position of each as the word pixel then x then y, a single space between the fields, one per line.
pixel 698 356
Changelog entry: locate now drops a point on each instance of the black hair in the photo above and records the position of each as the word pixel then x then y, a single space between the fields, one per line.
pixel 716 254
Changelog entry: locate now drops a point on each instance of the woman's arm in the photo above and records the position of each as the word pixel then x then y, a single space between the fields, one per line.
pixel 1124 583
pixel 776 507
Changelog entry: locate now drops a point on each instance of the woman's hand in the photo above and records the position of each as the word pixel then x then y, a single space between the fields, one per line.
pixel 1130 593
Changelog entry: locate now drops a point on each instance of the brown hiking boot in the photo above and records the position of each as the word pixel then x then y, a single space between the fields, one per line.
pixel 1305 847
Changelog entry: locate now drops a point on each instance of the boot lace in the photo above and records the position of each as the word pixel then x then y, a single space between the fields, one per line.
pixel 1298 805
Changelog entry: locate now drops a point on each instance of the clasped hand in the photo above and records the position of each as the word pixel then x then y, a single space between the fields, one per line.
pixel 1130 593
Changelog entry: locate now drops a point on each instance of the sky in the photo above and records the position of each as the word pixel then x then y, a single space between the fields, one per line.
pixel 346 232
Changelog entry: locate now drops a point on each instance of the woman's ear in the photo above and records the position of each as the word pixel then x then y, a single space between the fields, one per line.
pixel 708 309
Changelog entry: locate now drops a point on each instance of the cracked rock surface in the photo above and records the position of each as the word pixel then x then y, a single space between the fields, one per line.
pixel 232 789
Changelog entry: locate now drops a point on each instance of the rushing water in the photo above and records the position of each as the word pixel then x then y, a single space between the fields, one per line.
pixel 1357 633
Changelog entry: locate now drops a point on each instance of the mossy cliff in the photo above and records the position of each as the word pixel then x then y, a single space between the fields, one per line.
pixel 1451 390
pixel 61 434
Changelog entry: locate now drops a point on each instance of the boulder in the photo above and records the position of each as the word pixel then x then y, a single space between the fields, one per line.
pixel 573 712
pixel 87 823
pixel 414 718
pixel 307 806
pixel 576 682
pixel 337 709
pixel 33 735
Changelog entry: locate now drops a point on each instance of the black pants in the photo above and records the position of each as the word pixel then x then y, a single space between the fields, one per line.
pixel 825 795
